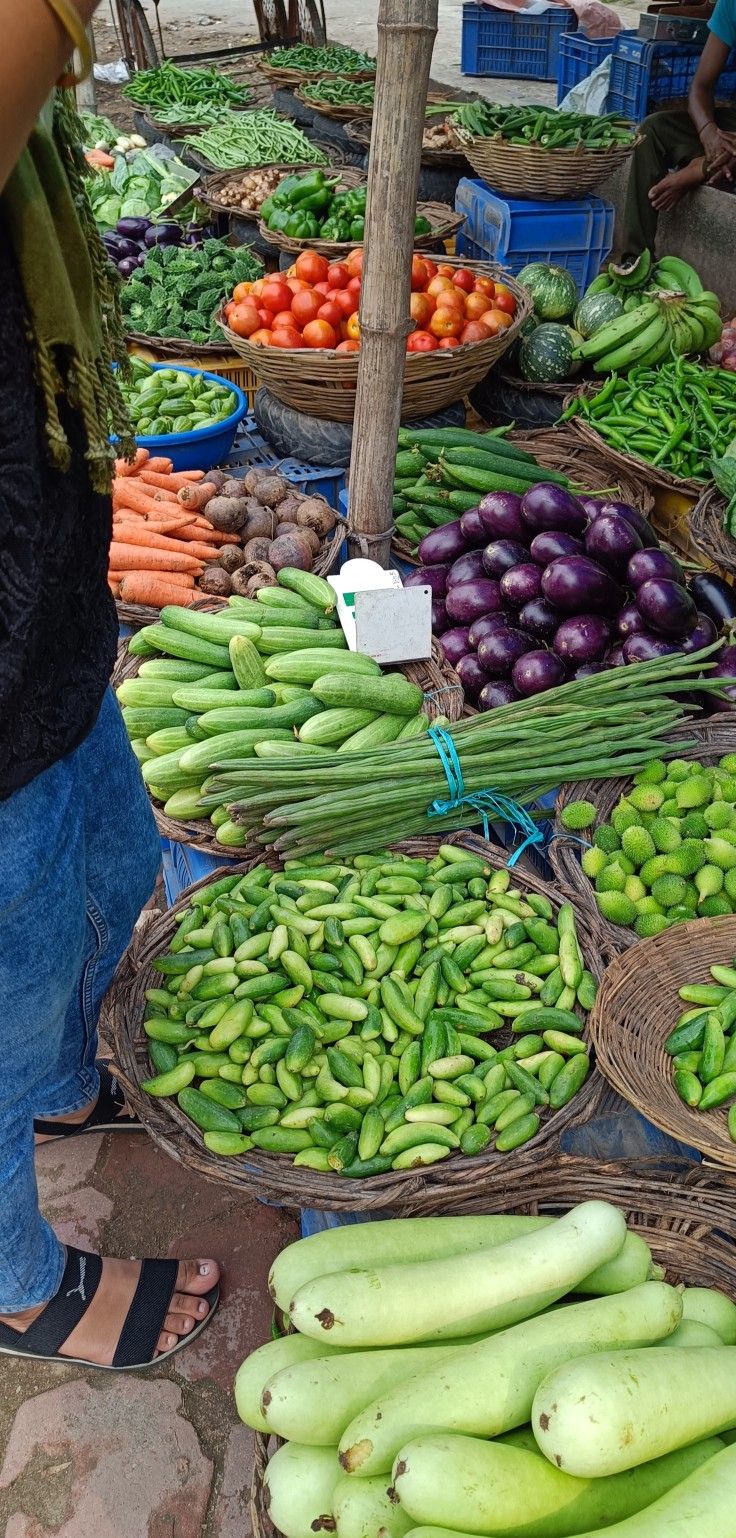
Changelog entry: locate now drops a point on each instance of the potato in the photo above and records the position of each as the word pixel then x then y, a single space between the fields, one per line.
pixel 215 580
pixel 316 514
pixel 231 558
pixel 228 514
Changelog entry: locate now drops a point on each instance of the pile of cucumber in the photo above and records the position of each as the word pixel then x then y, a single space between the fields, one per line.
pixel 434 1386
pixel 442 472
pixel 703 1045
pixel 340 1012
pixel 270 676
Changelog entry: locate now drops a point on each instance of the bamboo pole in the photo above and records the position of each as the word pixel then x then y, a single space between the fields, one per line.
pixel 406 34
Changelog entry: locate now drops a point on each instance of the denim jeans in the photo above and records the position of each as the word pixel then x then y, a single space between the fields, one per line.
pixel 79 853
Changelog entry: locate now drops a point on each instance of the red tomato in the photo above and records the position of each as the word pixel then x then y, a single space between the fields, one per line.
pixel 353 287
pixel 421 306
pixel 430 266
pixel 244 319
pixel 421 341
pixel 354 262
pixel 496 319
pixel 419 274
pixel 323 288
pixel 266 317
pixel 229 307
pixel 465 279
pixel 297 285
pixel 242 291
pixel 485 286
pixel 444 270
pixel 283 319
pixel 449 341
pixel 475 306
pixel 475 331
pixel 446 323
pixel 319 334
pixel 305 307
pixel 262 338
pixel 353 327
pixel 438 284
pixel 312 267
pixel 344 298
pixel 286 336
pixel 338 275
pixel 256 289
pixel 330 312
pixel 504 300
pixel 276 296
pixel 349 345
pixel 451 299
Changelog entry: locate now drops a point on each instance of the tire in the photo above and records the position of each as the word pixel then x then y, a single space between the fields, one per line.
pixel 317 441
pixel 497 399
pixel 438 186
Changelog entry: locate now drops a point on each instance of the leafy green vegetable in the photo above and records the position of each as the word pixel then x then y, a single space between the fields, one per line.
pixel 138 187
pixel 178 289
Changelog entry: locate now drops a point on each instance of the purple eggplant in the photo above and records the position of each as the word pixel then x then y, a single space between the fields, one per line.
pixel 484 626
pixel 546 506
pixel 501 516
pixel 653 563
pixel 498 652
pixel 443 545
pixel 612 542
pixel 629 621
pixel 704 634
pixel 521 584
pixel 469 600
pixel 164 235
pixel 589 669
pixel 128 248
pixel 496 693
pixel 667 607
pixel 646 648
pixel 536 672
pixel 714 597
pixel 596 507
pixel 578 585
pixel 502 554
pixel 615 657
pixel 471 675
pixel 551 543
pixel 455 644
pixel 127 266
pixel 725 668
pixel 473 529
pixel 540 618
pixel 439 616
pixel 133 229
pixel 466 568
pixel 429 576
pixel 583 638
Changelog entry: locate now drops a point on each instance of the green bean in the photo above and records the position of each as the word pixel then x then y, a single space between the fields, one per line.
pixel 254 139
pixel 332 59
pixel 340 92
pixel 545 126
pixel 169 86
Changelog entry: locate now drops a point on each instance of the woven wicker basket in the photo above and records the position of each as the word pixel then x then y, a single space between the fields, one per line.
pixel 716 548
pixel 208 191
pixel 558 448
pixel 686 1217
pixel 337 112
pixel 638 1006
pixel 281 74
pixel 450 159
pixel 443 221
pixel 273 1177
pixel 653 475
pixel 323 383
pixel 438 681
pixel 710 741
pixel 527 171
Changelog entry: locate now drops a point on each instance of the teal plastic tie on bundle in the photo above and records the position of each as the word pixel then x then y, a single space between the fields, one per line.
pixel 487 803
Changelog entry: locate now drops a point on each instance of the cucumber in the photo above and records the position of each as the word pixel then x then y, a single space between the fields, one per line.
pixel 215 722
pixel 246 663
pixel 142 721
pixel 179 643
pixel 200 757
pixel 484 481
pixel 384 729
pixel 508 1487
pixel 252 1377
pixel 279 598
pixel 392 694
pixel 206 1114
pixel 460 1295
pixel 170 740
pixel 489 1388
pixel 172 667
pixel 418 1239
pixel 147 691
pixel 303 618
pixel 288 638
pixel 294 749
pixel 500 464
pixel 219 628
pixel 364 1508
pixel 708 1306
pixel 305 667
pixel 141 751
pixel 334 726
pixel 446 438
pixel 198 698
pixel 587 1420
pixel 298 1484
pixel 305 584
pixel 184 805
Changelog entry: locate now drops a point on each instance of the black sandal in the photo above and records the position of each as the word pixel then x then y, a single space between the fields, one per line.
pixel 142 1326
pixel 108 1115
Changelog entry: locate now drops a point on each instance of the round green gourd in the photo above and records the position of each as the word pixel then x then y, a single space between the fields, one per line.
pixel 595 311
pixel 546 357
pixel 552 289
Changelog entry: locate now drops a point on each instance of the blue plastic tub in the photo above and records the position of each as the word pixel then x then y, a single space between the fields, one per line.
pixel 207 446
pixel 577 58
pixel 646 74
pixel 182 866
pixel 576 234
pixel 510 45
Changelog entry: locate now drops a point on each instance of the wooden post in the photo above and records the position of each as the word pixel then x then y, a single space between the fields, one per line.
pixel 85 91
pixel 406 33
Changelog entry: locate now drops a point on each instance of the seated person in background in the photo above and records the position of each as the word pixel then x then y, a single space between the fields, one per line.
pixel 683 148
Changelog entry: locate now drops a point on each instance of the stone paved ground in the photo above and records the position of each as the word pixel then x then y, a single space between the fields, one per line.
pixel 149 1455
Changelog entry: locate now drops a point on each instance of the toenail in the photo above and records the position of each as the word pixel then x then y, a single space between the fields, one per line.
pixel 201 1308
pixel 204 1270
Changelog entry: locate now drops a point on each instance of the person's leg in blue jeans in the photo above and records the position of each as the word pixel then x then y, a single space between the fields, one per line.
pixel 79 854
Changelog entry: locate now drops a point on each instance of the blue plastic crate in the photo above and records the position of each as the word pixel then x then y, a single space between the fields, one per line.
pixel 577 234
pixel 502 43
pixel 252 451
pixel 182 866
pixel 645 74
pixel 577 58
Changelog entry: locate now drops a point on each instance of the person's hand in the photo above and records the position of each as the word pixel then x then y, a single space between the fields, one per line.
pixel 720 151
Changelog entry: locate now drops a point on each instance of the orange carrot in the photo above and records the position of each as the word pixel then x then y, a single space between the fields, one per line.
pixel 165 496
pixel 149 587
pixel 137 521
pixel 149 539
pixel 176 578
pixel 130 493
pixel 172 482
pixel 192 475
pixel 160 466
pixel 132 466
pixel 197 497
pixel 124 557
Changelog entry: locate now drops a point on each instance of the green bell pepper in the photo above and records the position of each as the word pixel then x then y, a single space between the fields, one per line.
pixel 422 226
pixel 357 228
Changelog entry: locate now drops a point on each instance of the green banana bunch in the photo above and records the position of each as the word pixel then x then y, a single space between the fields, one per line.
pixel 677 276
pixel 660 326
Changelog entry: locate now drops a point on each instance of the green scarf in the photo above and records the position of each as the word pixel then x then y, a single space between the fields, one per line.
pixel 71 290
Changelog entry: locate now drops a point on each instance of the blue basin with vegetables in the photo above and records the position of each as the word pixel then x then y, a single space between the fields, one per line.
pixel 201 447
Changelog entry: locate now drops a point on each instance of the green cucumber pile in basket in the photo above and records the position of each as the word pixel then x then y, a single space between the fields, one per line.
pixel 171 400
pixel 703 1044
pixel 542 127
pixel 668 853
pixel 340 1011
